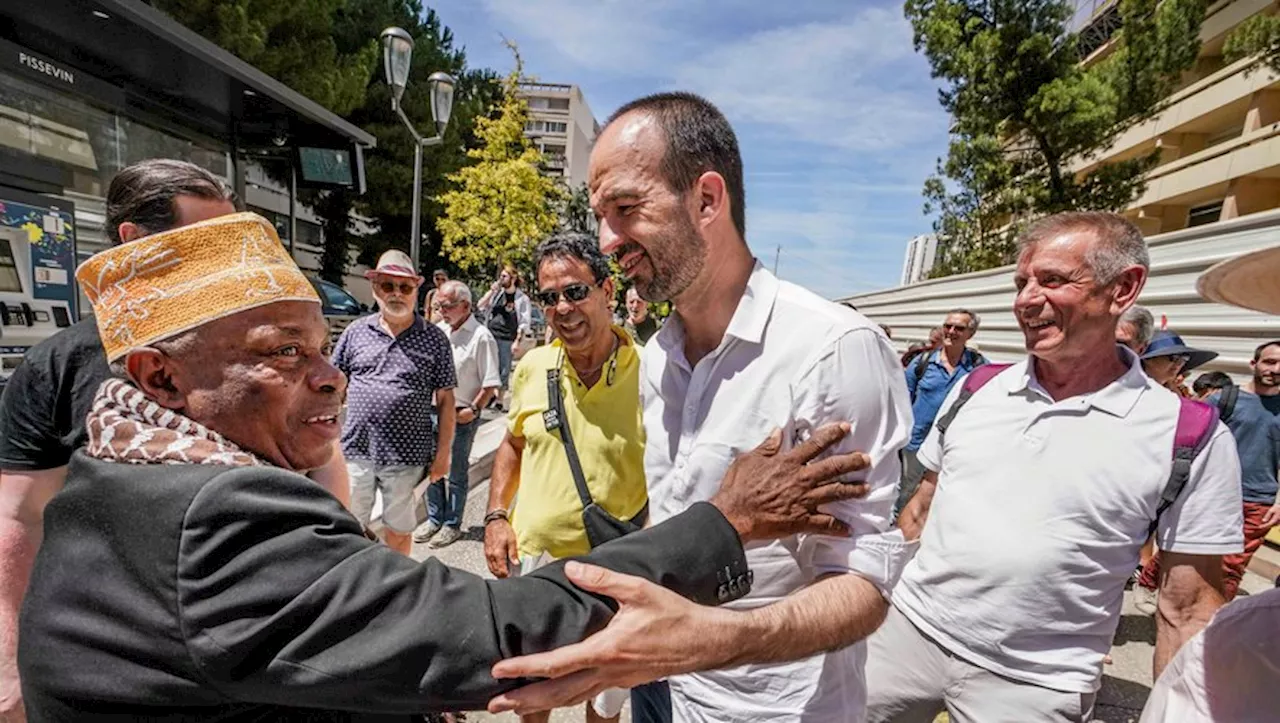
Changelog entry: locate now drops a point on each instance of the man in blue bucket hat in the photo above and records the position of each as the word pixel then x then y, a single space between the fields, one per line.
pixel 1167 357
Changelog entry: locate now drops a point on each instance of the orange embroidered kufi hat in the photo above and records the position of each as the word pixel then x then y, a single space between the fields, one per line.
pixel 162 285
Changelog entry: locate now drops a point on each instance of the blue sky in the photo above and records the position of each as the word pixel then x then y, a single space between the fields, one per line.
pixel 836 114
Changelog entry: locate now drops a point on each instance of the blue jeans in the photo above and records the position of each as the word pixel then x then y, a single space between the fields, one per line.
pixel 504 360
pixel 459 470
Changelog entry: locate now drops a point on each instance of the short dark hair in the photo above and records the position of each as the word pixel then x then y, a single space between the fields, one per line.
pixel 699 139
pixel 144 193
pixel 1211 380
pixel 1257 353
pixel 578 246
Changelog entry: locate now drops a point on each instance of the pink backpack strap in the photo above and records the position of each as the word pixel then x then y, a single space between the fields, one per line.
pixel 973 381
pixel 1196 424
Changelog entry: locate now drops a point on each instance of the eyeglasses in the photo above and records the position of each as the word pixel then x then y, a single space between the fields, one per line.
pixel 573 293
pixel 445 305
pixel 955 327
pixel 405 287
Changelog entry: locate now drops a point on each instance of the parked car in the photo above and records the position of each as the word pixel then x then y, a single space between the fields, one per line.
pixel 340 308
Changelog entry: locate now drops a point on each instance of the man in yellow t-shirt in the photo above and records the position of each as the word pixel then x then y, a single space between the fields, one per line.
pixel 600 385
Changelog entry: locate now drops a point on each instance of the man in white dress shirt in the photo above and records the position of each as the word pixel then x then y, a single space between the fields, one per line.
pixel 743 354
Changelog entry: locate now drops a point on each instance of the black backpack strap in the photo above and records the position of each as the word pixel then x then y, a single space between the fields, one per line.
pixel 1227 402
pixel 973 381
pixel 555 418
pixel 1196 424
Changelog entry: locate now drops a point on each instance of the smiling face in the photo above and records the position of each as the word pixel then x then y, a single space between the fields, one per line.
pixel 582 324
pixel 1064 313
pixel 956 331
pixel 261 378
pixel 645 225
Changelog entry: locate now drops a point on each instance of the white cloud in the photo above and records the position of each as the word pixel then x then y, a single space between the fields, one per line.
pixel 838 84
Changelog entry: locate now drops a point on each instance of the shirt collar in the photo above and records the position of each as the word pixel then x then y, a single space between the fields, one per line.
pixel 755 307
pixel 1117 398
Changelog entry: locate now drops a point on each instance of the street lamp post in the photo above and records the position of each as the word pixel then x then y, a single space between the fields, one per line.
pixel 397 53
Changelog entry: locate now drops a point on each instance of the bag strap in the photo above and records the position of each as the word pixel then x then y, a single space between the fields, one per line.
pixel 973 381
pixel 555 404
pixel 1227 402
pixel 1196 424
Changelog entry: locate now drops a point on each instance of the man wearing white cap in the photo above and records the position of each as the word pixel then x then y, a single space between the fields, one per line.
pixel 395 363
pixel 1228 671
pixel 190 572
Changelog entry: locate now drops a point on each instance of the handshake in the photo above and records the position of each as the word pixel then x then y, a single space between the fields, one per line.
pixel 764 495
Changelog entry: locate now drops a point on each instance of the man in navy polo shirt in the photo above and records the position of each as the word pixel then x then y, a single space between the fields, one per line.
pixel 930 376
pixel 395 362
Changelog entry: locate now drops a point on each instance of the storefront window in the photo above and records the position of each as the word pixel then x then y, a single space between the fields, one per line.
pixel 58 128
pixel 140 142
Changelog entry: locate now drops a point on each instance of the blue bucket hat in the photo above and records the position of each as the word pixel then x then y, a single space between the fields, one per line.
pixel 1167 343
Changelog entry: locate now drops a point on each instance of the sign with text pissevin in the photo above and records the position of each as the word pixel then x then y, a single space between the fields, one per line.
pixel 51 232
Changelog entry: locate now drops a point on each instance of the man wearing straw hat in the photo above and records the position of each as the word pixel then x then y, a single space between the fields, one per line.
pixel 189 571
pixel 1227 672
pixel 396 364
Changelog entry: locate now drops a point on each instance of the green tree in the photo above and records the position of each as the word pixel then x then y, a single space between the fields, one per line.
pixel 576 215
pixel 1259 35
pixel 501 206
pixel 1025 109
pixel 290 41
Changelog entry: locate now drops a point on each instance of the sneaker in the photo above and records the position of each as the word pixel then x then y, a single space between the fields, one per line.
pixel 426 532
pixel 1144 599
pixel 447 536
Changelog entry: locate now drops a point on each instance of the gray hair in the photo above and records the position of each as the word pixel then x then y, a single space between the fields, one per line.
pixel 1120 243
pixel 457 290
pixel 974 319
pixel 1144 325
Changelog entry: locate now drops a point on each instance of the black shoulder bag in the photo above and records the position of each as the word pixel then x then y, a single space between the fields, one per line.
pixel 600 525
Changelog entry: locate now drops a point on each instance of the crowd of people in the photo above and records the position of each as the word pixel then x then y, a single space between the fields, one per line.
pixel 754 510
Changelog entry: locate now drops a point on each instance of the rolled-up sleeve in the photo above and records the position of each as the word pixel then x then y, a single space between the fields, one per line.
pixel 858 379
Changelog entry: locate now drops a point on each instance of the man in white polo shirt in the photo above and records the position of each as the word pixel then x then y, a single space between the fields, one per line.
pixel 1041 491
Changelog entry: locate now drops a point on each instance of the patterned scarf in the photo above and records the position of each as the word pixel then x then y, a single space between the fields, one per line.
pixel 125 426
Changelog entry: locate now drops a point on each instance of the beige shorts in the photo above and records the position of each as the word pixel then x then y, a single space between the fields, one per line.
pixel 608 703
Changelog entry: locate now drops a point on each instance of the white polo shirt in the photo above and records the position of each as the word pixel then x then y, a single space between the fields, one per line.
pixel 792 360
pixel 475 358
pixel 1039 514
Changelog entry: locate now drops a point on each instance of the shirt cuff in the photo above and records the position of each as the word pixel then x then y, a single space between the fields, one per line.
pixel 1191 547
pixel 879 558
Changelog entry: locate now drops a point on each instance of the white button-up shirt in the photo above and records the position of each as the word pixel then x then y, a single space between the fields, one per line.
pixel 1040 511
pixel 793 360
pixel 475 358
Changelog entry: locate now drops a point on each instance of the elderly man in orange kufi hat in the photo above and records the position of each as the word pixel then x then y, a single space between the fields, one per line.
pixel 189 571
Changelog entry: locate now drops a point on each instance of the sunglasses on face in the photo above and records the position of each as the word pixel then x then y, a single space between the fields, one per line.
pixel 573 293
pixel 404 287
pixel 444 305
pixel 955 327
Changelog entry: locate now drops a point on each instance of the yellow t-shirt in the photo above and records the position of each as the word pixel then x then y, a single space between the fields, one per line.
pixel 608 432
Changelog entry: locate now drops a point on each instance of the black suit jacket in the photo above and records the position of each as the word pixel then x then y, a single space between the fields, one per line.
pixel 217 593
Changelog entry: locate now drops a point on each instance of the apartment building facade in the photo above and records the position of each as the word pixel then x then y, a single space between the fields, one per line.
pixel 1218 134
pixel 562 126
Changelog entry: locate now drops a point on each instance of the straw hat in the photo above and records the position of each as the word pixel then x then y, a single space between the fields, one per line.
pixel 1251 281
pixel 162 285
pixel 393 263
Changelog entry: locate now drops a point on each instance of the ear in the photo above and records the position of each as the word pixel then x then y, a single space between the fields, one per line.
pixel 712 197
pixel 1126 288
pixel 610 290
pixel 129 231
pixel 153 371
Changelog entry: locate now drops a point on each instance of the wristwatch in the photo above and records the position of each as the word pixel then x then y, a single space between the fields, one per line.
pixel 498 514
